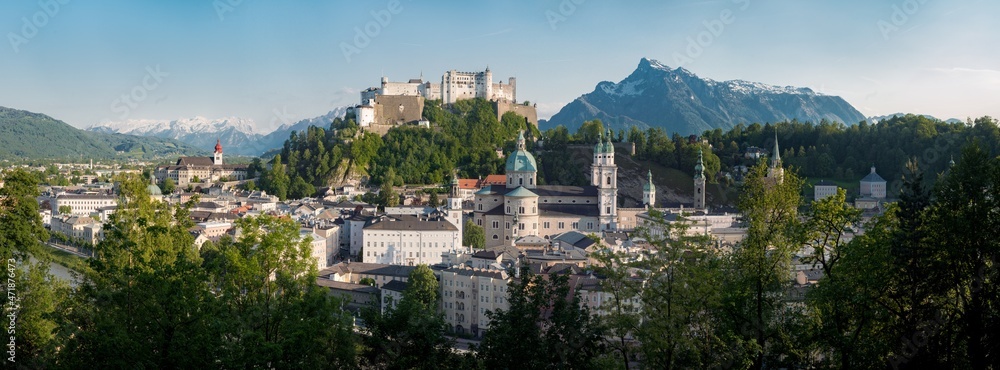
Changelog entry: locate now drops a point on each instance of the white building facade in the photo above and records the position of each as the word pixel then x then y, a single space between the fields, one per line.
pixel 468 294
pixel 408 240
pixel 83 204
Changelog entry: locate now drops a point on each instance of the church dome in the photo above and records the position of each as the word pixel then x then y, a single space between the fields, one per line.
pixel 521 160
pixel 153 190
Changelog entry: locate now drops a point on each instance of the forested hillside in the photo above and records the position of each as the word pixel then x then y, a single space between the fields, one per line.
pixel 466 136
pixel 27 135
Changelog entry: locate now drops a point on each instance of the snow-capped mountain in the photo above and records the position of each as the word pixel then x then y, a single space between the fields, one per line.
pixel 237 134
pixel 655 95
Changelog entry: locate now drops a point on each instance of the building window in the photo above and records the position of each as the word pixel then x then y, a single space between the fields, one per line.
pixel 590 225
pixel 496 224
pixel 609 180
pixel 545 224
pixel 576 225
pixel 562 225
pixel 495 237
pixel 479 222
pixel 520 210
pixel 506 225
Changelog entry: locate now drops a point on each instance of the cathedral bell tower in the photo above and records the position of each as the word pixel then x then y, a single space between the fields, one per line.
pixel 604 176
pixel 454 212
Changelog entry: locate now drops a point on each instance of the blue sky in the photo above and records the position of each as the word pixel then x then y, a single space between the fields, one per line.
pixel 283 61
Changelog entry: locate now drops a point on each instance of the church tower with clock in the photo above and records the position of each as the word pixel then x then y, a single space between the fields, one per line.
pixel 604 175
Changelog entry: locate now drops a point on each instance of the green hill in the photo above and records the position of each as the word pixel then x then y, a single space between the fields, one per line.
pixel 27 135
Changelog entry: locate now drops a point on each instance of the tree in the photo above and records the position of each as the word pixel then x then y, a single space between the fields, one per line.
pixel 473 235
pixel 545 327
pixel 387 196
pixel 757 269
pixel 250 185
pixel 433 199
pixel 964 234
pixel 367 281
pixel 38 294
pixel 681 301
pixel 168 186
pixel 301 189
pixel 590 132
pixel 275 314
pixel 65 209
pixel 277 179
pixel 146 304
pixel 410 334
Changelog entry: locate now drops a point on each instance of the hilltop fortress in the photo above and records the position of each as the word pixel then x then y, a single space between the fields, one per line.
pixel 396 103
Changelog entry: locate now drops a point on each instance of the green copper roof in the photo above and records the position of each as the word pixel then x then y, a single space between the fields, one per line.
pixel 521 160
pixel 521 192
pixel 699 169
pixel 649 182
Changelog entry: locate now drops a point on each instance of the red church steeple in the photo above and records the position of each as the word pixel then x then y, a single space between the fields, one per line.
pixel 218 146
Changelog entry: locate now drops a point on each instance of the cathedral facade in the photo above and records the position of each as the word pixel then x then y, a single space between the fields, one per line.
pixel 521 207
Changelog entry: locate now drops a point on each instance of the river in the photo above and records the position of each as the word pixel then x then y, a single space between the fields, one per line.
pixel 60 272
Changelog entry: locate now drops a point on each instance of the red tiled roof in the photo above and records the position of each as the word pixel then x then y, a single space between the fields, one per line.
pixel 468 183
pixel 494 180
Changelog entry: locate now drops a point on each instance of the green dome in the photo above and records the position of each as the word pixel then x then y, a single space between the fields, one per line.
pixel 521 161
pixel 153 190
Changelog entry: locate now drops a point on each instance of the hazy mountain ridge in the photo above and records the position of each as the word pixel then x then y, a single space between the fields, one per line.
pixel 655 95
pixel 26 134
pixel 877 119
pixel 238 135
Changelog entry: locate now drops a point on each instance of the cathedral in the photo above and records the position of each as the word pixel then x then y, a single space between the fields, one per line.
pixel 521 207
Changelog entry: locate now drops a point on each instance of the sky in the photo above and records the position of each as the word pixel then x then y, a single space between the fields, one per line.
pixel 275 62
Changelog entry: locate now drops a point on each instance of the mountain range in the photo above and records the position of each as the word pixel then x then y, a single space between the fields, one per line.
pixel 26 134
pixel 877 119
pixel 677 100
pixel 237 135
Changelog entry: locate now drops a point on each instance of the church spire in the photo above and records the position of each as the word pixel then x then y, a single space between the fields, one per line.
pixel 776 158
